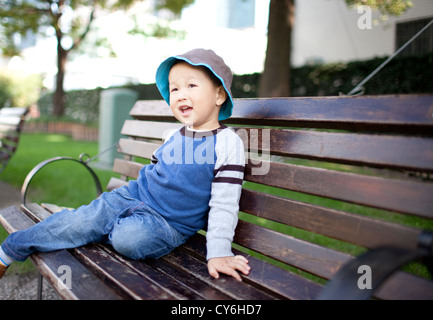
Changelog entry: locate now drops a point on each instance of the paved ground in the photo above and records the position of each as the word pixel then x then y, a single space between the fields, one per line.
pixel 24 287
pixel 9 196
pixel 20 286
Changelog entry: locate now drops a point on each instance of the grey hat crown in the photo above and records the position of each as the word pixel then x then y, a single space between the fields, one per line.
pixel 199 57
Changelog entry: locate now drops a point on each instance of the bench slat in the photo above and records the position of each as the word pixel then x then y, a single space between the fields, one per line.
pixel 398 195
pixel 264 275
pixel 228 285
pixel 8 129
pixel 152 130
pixel 399 152
pixel 321 261
pixel 103 260
pixel 127 168
pixel 115 183
pixel 10 122
pixel 137 148
pixel 120 278
pixel 8 148
pixel 82 281
pixel 155 110
pixel 185 287
pixel 410 153
pixel 380 113
pixel 14 111
pixel 35 212
pixel 102 263
pixel 352 228
pixel 5 153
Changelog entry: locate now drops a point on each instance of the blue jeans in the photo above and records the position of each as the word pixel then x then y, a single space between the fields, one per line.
pixel 130 226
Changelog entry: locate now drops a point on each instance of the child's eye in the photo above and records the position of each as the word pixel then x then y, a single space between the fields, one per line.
pixel 173 90
pixel 192 85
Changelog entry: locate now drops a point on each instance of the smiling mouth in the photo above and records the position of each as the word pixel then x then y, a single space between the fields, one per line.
pixel 185 110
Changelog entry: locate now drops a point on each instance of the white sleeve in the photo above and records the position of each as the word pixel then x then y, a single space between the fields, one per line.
pixel 225 194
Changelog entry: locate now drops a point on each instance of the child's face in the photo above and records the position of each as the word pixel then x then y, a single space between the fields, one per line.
pixel 194 99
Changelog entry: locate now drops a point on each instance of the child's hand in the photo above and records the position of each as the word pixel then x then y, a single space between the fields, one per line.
pixel 228 265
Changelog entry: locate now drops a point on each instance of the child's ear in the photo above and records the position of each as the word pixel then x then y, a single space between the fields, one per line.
pixel 221 96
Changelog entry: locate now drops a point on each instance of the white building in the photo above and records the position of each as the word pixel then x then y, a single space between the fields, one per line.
pixel 325 31
pixel 329 31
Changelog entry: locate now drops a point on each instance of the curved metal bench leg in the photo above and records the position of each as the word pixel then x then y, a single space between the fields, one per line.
pixel 33 173
pixel 383 261
pixel 40 286
pixel 41 165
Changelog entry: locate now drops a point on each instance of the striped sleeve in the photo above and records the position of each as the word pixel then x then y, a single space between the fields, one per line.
pixel 225 194
pixel 230 173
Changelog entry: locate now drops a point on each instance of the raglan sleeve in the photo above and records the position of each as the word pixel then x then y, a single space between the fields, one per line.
pixel 225 194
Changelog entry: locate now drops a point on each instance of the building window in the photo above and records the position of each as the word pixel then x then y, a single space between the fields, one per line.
pixel 422 44
pixel 236 14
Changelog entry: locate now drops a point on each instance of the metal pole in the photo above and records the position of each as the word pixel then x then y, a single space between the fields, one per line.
pixel 371 75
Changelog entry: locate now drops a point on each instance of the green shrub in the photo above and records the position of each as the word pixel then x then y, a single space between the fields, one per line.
pixel 412 74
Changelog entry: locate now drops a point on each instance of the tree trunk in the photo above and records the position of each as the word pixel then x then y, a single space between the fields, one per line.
pixel 59 93
pixel 275 80
pixel 62 55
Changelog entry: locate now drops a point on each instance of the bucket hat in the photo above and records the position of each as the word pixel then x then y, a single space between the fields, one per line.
pixel 199 57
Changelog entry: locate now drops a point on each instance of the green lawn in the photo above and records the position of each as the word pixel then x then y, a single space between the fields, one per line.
pixel 65 182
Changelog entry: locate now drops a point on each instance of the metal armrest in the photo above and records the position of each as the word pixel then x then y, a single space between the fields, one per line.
pixel 38 167
pixel 383 261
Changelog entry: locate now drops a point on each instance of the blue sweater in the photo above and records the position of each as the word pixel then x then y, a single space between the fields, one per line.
pixel 194 177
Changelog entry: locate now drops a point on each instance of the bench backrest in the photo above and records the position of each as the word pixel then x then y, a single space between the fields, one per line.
pixel 11 122
pixel 326 177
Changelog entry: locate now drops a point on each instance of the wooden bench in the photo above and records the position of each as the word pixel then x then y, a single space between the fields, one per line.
pixel 11 123
pixel 332 184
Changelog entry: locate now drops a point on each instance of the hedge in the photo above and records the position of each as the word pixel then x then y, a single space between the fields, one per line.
pixel 402 75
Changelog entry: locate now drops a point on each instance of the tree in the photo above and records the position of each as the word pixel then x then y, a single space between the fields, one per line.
pixel 18 89
pixel 18 18
pixel 275 80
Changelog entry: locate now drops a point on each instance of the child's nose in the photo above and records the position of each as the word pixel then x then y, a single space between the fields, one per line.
pixel 181 96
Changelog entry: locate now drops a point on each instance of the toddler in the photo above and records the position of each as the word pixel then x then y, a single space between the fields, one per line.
pixel 193 178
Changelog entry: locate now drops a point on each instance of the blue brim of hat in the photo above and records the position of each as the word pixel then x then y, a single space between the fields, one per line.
pixel 163 85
